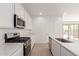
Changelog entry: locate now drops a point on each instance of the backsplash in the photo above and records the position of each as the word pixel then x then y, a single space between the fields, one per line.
pixel 25 33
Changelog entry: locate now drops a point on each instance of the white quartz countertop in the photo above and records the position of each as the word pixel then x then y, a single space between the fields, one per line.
pixel 72 47
pixel 8 49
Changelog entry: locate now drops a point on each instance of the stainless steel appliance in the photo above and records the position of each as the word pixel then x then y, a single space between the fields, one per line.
pixel 15 38
pixel 18 22
pixel 50 45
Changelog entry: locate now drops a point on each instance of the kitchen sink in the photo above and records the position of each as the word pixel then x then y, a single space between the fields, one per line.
pixel 63 40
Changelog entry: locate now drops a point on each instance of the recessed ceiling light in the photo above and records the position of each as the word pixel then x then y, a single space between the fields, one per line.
pixel 41 13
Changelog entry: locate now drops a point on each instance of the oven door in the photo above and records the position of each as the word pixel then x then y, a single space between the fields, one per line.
pixel 27 50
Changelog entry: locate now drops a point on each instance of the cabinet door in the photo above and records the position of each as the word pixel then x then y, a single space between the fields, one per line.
pixel 19 10
pixel 65 52
pixel 29 22
pixel 26 20
pixel 6 15
pixel 55 48
pixel 52 48
pixel 19 52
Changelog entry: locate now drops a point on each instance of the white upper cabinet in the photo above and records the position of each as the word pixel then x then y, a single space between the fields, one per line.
pixel 7 11
pixel 19 10
pixel 6 15
pixel 28 21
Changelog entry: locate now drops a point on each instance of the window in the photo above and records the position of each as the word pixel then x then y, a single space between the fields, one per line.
pixel 71 31
pixel 66 31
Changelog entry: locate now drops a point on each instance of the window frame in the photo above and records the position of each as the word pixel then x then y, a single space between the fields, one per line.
pixel 70 29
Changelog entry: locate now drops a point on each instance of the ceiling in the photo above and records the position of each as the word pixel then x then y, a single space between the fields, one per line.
pixel 51 9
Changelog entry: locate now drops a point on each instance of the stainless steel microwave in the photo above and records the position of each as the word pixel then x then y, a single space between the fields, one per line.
pixel 18 22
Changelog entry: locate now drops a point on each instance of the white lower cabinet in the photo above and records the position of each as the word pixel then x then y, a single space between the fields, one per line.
pixel 59 50
pixel 19 52
pixel 55 48
pixel 65 52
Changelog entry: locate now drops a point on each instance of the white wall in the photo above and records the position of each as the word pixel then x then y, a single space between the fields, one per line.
pixel 71 18
pixel 58 27
pixel 43 26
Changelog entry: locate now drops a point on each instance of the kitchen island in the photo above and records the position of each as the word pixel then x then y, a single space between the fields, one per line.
pixel 59 48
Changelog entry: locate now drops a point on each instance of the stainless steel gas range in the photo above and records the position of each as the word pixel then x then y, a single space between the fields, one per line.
pixel 15 38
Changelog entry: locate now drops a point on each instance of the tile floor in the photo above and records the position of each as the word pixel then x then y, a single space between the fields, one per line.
pixel 40 50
